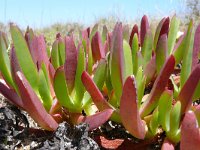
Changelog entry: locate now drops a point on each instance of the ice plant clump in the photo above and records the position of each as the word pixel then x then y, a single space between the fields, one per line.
pixel 146 90
pixel 146 81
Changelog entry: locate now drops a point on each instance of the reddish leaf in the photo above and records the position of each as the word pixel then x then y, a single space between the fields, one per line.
pixel 14 63
pixel 150 69
pixel 143 29
pixel 196 48
pixel 97 47
pixel 11 95
pixel 33 105
pixel 186 93
pixel 158 87
pixel 190 137
pixel 129 110
pixel 134 30
pixel 167 145
pixel 117 60
pixel 163 28
pixel 94 92
pixel 38 51
pixel 70 63
pixel 98 119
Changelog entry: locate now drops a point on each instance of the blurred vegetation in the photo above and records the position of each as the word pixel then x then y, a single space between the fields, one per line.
pixel 192 12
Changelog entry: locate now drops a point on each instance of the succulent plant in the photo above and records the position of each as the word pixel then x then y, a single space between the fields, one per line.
pixel 146 81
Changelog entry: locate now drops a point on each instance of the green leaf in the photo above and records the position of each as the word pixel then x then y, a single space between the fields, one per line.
pixel 173 30
pixel 55 55
pixel 24 57
pixel 140 80
pixel 147 48
pixel 128 60
pixel 79 88
pixel 164 109
pixel 161 52
pixel 187 55
pixel 99 79
pixel 184 45
pixel 117 61
pixel 154 122
pixel 5 62
pixel 104 33
pixel 61 91
pixel 61 51
pixel 44 88
pixel 135 48
pixel 175 116
pixel 94 30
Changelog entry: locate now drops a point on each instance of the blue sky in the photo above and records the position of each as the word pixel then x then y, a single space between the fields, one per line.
pixel 40 13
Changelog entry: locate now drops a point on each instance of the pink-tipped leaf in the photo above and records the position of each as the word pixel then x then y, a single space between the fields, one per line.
pixel 158 87
pixel 129 110
pixel 117 60
pixel 70 65
pixel 162 28
pixel 188 89
pixel 94 92
pixel 133 32
pixel 97 47
pixel 143 29
pixel 33 105
pixel 190 136
pixel 167 145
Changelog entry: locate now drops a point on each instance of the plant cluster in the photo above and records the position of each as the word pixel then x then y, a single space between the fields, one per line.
pixel 149 82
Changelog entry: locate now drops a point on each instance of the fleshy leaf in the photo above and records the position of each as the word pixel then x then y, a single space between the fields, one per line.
pixel 158 87
pixel 147 48
pixel 154 123
pixel 140 80
pixel 93 31
pixel 190 85
pixel 190 136
pixel 173 30
pixel 183 44
pixel 161 52
pixel 61 50
pixel 129 110
pixel 61 90
pixel 70 65
pixel 44 89
pixel 24 57
pixel 150 69
pixel 79 88
pixel 161 29
pixel 104 33
pixel 39 52
pixel 128 60
pixel 117 60
pixel 95 93
pixel 175 117
pixel 33 105
pixel 5 62
pixel 55 55
pixel 11 95
pixel 164 108
pixel 196 48
pixel 134 32
pixel 135 49
pixel 167 145
pixel 143 29
pixel 97 47
pixel 98 119
pixel 187 57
